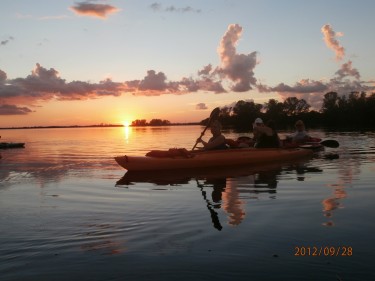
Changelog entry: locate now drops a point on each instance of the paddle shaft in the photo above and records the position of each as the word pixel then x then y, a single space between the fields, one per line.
pixel 205 129
pixel 214 216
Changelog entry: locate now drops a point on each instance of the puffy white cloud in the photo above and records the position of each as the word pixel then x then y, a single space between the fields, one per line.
pixel 153 81
pixel 45 84
pixel 157 7
pixel 332 42
pixel 238 68
pixel 347 70
pixel 201 106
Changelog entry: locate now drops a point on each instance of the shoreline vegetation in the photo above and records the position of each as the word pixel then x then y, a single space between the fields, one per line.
pixel 94 126
pixel 352 111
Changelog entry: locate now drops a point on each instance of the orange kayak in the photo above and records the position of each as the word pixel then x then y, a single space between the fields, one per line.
pixel 184 159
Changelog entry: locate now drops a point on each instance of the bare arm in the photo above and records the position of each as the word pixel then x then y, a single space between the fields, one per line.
pixel 214 143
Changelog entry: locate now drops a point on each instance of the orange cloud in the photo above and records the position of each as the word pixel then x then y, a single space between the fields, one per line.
pixel 332 42
pixel 7 109
pixel 94 10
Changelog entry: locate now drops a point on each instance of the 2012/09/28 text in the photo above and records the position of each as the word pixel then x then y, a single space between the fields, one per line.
pixel 318 251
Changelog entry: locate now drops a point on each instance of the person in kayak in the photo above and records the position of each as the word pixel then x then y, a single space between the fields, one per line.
pixel 265 136
pixel 217 141
pixel 300 134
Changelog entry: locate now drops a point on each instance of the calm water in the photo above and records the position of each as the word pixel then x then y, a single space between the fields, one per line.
pixel 69 212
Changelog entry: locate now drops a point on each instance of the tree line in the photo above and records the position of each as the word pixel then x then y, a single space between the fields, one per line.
pixel 153 122
pixel 353 111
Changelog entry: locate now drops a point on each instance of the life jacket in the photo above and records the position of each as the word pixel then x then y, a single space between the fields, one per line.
pixel 266 141
pixel 221 146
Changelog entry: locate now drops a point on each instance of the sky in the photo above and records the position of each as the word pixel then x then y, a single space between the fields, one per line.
pixel 115 61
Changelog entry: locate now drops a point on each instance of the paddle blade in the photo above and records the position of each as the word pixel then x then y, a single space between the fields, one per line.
pixel 330 143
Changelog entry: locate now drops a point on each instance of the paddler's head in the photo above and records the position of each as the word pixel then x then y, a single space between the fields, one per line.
pixel 258 122
pixel 299 125
pixel 215 128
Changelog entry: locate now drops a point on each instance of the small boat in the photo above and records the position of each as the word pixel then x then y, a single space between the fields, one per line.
pixel 180 158
pixel 6 145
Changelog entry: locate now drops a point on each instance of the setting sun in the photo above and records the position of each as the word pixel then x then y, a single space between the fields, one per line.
pixel 126 123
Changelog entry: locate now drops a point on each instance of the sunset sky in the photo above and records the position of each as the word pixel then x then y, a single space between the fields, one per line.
pixel 91 62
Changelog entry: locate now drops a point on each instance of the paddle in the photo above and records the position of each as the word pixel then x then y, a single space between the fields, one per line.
pixel 330 143
pixel 327 143
pixel 214 216
pixel 214 114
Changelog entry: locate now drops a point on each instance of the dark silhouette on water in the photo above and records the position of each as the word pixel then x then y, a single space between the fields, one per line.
pixel 214 216
pixel 230 186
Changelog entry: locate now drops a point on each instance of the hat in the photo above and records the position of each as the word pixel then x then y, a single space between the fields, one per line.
pixel 258 121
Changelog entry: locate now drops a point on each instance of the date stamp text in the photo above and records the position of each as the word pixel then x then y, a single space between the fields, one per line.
pixel 323 251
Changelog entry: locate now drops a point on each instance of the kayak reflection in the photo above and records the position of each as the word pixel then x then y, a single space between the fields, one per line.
pixel 227 189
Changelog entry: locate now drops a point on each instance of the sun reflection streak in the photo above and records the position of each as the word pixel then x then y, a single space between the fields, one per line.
pixel 334 202
pixel 127 133
pixel 232 204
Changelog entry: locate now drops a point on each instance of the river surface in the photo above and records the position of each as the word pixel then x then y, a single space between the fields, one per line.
pixel 69 212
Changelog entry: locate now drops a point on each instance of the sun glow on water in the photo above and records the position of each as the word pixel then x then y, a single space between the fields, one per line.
pixel 127 131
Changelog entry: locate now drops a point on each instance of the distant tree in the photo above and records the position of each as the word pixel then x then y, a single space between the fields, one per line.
pixel 294 106
pixel 331 108
pixel 352 111
pixel 330 102
pixel 244 113
pixel 225 116
pixel 369 111
pixel 159 122
pixel 139 122
pixel 357 103
pixel 274 110
pixel 311 119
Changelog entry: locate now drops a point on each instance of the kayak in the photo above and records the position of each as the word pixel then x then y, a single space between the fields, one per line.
pixel 6 145
pixel 180 158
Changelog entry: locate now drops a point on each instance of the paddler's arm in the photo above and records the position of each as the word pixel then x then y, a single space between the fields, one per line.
pixel 214 143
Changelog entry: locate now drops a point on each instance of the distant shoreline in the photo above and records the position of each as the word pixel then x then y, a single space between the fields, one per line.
pixel 94 126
